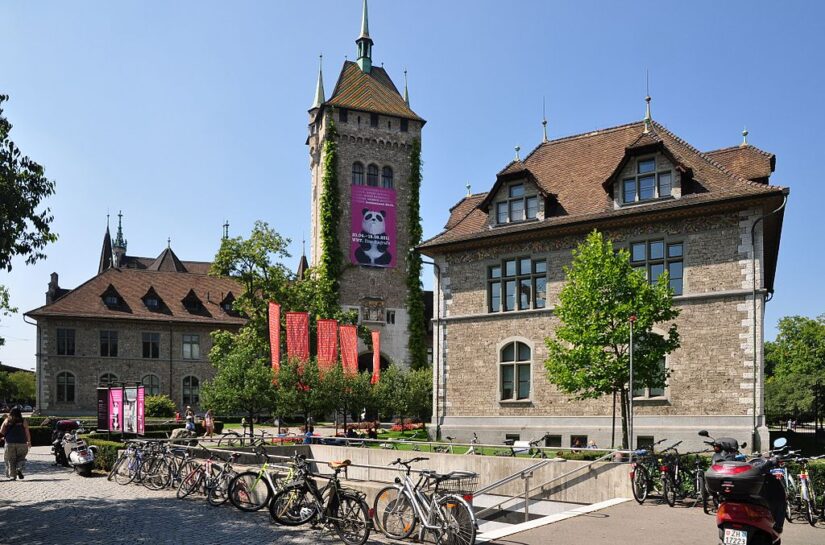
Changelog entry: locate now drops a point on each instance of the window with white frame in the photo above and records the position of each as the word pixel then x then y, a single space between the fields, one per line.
pixel 520 205
pixel 653 257
pixel 191 347
pixel 515 363
pixel 649 183
pixel 651 393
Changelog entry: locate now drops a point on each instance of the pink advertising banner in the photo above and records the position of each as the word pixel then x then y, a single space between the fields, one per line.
pixel 130 410
pixel 373 228
pixel 116 410
pixel 141 410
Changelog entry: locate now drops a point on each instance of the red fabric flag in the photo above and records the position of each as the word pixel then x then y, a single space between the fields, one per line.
pixel 327 344
pixel 376 357
pixel 275 334
pixel 297 335
pixel 349 348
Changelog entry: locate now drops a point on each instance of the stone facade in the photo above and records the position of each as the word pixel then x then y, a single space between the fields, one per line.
pixel 87 366
pixel 711 377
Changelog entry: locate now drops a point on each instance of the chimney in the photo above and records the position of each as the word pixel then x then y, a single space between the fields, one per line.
pixel 54 289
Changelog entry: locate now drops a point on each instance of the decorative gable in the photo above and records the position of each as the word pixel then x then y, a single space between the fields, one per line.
pixel 516 197
pixel 153 301
pixel 112 299
pixel 648 172
pixel 193 304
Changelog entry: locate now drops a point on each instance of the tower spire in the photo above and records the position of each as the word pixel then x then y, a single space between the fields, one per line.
pixel 544 119
pixel 648 119
pixel 319 89
pixel 120 242
pixel 406 93
pixel 364 43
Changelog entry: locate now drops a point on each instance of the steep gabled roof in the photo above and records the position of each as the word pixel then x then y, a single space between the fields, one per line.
pixel 134 284
pixel 748 161
pixel 167 261
pixel 105 252
pixel 574 170
pixel 369 92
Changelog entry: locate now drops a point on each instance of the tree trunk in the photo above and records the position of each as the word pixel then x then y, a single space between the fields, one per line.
pixel 624 403
pixel 613 427
pixel 251 423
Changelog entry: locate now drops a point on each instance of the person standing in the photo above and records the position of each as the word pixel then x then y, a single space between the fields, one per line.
pixel 208 423
pixel 190 419
pixel 18 443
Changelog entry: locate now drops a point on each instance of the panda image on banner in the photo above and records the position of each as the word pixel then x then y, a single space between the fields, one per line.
pixel 374 241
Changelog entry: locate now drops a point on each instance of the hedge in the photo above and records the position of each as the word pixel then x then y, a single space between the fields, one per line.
pixel 106 452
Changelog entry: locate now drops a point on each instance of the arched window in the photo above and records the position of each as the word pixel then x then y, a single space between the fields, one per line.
pixel 65 387
pixel 386 177
pixel 191 390
pixel 515 363
pixel 151 385
pixel 372 175
pixel 357 173
pixel 107 379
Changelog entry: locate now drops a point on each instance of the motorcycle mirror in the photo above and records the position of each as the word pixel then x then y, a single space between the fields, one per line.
pixel 779 442
pixel 704 433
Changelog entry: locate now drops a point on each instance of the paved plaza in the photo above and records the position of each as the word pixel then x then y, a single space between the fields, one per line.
pixel 52 505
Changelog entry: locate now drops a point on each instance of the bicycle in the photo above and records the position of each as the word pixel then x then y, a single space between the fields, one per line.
pixel 671 472
pixel 445 449
pixel 212 481
pixel 343 509
pixel 807 495
pixel 642 469
pixel 252 490
pixel 127 467
pixel 538 452
pixel 399 508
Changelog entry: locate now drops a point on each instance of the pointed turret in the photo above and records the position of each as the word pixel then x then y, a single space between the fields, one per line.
pixel 319 89
pixel 106 251
pixel 406 92
pixel 364 43
pixel 119 246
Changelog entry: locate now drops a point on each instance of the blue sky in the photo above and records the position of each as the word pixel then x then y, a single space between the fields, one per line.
pixel 185 114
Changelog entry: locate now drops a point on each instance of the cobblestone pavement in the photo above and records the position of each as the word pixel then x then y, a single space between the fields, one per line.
pixel 53 505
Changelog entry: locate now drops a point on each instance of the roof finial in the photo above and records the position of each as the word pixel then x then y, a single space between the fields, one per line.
pixel 406 93
pixel 364 43
pixel 744 138
pixel 120 242
pixel 319 89
pixel 648 118
pixel 303 245
pixel 468 186
pixel 518 149
pixel 169 242
pixel 544 119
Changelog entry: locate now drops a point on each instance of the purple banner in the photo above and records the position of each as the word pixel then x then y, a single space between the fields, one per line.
pixel 116 410
pixel 373 234
pixel 141 410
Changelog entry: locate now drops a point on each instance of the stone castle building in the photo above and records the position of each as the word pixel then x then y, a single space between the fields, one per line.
pixel 376 128
pixel 139 320
pixel 501 257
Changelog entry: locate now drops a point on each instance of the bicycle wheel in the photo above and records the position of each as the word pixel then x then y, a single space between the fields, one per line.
pixel 157 474
pixel 702 487
pixel 640 484
pixel 669 489
pixel 809 510
pixel 292 506
pixel 115 467
pixel 127 470
pixel 791 501
pixel 219 491
pixel 228 436
pixel 393 512
pixel 249 491
pixel 351 519
pixel 190 482
pixel 459 524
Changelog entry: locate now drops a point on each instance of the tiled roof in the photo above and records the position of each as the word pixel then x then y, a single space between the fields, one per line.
pixel 134 262
pixel 748 161
pixel 373 92
pixel 167 261
pixel 574 170
pixel 133 284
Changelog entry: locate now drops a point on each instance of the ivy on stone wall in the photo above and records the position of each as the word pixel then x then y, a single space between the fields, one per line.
pixel 416 327
pixel 330 214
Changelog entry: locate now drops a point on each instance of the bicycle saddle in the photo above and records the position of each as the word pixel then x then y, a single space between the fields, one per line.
pixel 449 438
pixel 338 464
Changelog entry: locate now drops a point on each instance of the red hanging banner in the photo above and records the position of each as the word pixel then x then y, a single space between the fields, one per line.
pixel 327 344
pixel 349 348
pixel 275 334
pixel 376 357
pixel 297 335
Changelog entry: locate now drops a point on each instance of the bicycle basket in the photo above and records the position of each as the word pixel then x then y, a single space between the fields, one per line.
pixel 462 483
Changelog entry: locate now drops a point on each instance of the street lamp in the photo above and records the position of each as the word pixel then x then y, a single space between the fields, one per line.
pixel 632 321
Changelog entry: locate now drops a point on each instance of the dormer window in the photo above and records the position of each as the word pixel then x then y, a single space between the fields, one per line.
pixel 152 303
pixel 152 300
pixel 519 206
pixel 192 303
pixel 648 184
pixel 227 304
pixel 111 298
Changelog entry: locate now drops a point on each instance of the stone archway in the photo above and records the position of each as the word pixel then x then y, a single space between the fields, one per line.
pixel 365 362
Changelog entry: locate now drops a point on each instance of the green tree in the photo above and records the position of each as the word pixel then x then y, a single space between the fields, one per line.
pixel 391 392
pixel 243 382
pixel 300 390
pixel 25 229
pixel 348 393
pixel 159 406
pixel 330 217
pixel 416 324
pixel 23 384
pixel 420 393
pixel 7 390
pixel 794 365
pixel 589 357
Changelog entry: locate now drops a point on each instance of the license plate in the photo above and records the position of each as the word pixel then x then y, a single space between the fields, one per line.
pixel 735 537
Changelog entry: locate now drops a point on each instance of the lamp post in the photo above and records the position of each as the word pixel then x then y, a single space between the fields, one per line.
pixel 632 321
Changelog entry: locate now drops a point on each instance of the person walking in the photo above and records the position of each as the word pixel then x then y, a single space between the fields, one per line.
pixel 208 423
pixel 190 419
pixel 18 443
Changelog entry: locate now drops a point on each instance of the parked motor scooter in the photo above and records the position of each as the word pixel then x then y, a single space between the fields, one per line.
pixel 724 448
pixel 71 451
pixel 749 499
